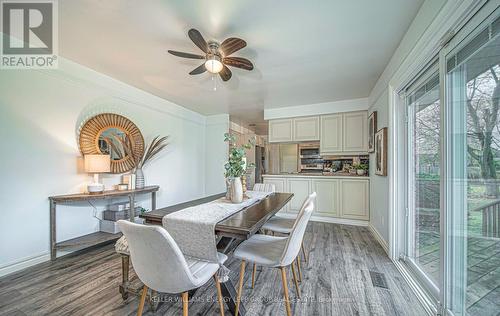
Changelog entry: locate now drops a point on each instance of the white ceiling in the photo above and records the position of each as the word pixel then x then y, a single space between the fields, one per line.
pixel 304 52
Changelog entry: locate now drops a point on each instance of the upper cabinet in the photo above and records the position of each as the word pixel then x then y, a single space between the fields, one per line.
pixel 355 132
pixel 294 129
pixel 344 133
pixel 281 130
pixel 331 133
pixel 339 134
pixel 306 128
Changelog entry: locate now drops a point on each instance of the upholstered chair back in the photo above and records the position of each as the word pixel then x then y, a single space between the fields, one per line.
pixel 156 258
pixel 264 187
pixel 294 240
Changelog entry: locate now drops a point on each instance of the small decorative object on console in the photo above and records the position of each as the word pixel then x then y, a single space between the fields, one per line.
pixel 122 186
pixel 155 147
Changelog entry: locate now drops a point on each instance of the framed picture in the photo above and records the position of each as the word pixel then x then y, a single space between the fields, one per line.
pixel 381 152
pixel 372 128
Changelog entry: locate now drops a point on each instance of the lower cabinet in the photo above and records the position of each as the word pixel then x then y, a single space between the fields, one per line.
pixel 301 188
pixel 336 197
pixel 354 197
pixel 327 200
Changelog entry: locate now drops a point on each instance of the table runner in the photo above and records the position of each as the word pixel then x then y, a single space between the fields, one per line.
pixel 193 228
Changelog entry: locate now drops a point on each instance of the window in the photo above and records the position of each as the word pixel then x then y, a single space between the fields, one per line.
pixel 423 146
pixel 473 90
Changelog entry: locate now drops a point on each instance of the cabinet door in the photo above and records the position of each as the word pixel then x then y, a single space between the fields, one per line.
pixel 331 133
pixel 355 132
pixel 300 188
pixel 306 128
pixel 327 200
pixel 281 130
pixel 354 197
pixel 279 184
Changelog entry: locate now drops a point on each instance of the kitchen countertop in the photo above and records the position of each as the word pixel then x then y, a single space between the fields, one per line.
pixel 318 175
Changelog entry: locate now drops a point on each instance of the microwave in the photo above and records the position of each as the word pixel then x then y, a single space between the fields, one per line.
pixel 310 159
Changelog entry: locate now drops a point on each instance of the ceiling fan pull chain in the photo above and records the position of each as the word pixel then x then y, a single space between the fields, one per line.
pixel 214 79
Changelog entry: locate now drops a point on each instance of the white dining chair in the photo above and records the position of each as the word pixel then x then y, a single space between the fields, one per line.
pixel 276 252
pixel 264 187
pixel 282 225
pixel 161 266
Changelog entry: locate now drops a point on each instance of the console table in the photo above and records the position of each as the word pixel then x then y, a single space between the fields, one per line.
pixel 97 237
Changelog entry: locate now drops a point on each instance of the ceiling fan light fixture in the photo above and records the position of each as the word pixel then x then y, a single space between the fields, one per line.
pixel 214 65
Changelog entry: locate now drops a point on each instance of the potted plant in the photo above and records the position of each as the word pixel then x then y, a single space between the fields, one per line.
pixel 361 169
pixel 236 167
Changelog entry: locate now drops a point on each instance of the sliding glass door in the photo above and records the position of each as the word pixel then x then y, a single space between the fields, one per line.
pixel 473 212
pixel 423 214
pixel 452 216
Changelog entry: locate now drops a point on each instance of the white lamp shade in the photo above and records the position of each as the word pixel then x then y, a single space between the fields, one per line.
pixel 97 163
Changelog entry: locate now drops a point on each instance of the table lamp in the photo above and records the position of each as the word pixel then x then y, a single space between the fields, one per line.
pixel 96 164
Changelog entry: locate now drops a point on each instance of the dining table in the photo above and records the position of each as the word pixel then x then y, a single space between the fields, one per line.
pixel 230 232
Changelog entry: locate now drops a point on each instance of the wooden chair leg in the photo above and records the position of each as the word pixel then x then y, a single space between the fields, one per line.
pixel 304 252
pixel 297 261
pixel 240 287
pixel 253 274
pixel 185 304
pixel 219 295
pixel 285 290
pixel 295 280
pixel 143 299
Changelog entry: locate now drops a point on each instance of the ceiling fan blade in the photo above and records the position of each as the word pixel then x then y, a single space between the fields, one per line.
pixel 238 62
pixel 198 70
pixel 198 40
pixel 225 73
pixel 232 45
pixel 186 55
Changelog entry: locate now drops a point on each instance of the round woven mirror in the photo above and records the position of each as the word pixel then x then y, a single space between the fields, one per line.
pixel 105 134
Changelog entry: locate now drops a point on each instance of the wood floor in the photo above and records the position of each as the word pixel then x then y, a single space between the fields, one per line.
pixel 344 263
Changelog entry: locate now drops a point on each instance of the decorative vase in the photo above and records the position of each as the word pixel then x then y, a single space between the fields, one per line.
pixel 228 189
pixel 361 172
pixel 236 190
pixel 139 178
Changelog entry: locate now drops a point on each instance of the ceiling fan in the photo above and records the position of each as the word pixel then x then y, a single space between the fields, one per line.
pixel 216 55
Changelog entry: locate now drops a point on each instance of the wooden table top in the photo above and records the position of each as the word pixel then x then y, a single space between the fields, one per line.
pixel 241 225
pixel 104 195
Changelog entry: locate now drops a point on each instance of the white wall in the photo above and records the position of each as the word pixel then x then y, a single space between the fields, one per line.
pixel 216 153
pixel 379 186
pixel 379 101
pixel 39 116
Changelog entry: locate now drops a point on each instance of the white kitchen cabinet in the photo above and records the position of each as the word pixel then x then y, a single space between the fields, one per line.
pixel 354 197
pixel 301 188
pixel 331 134
pixel 355 132
pixel 280 130
pixel 279 184
pixel 327 200
pixel 306 128
pixel 337 197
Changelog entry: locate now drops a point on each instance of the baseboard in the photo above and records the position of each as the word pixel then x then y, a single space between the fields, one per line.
pixel 379 238
pixel 331 220
pixel 24 263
